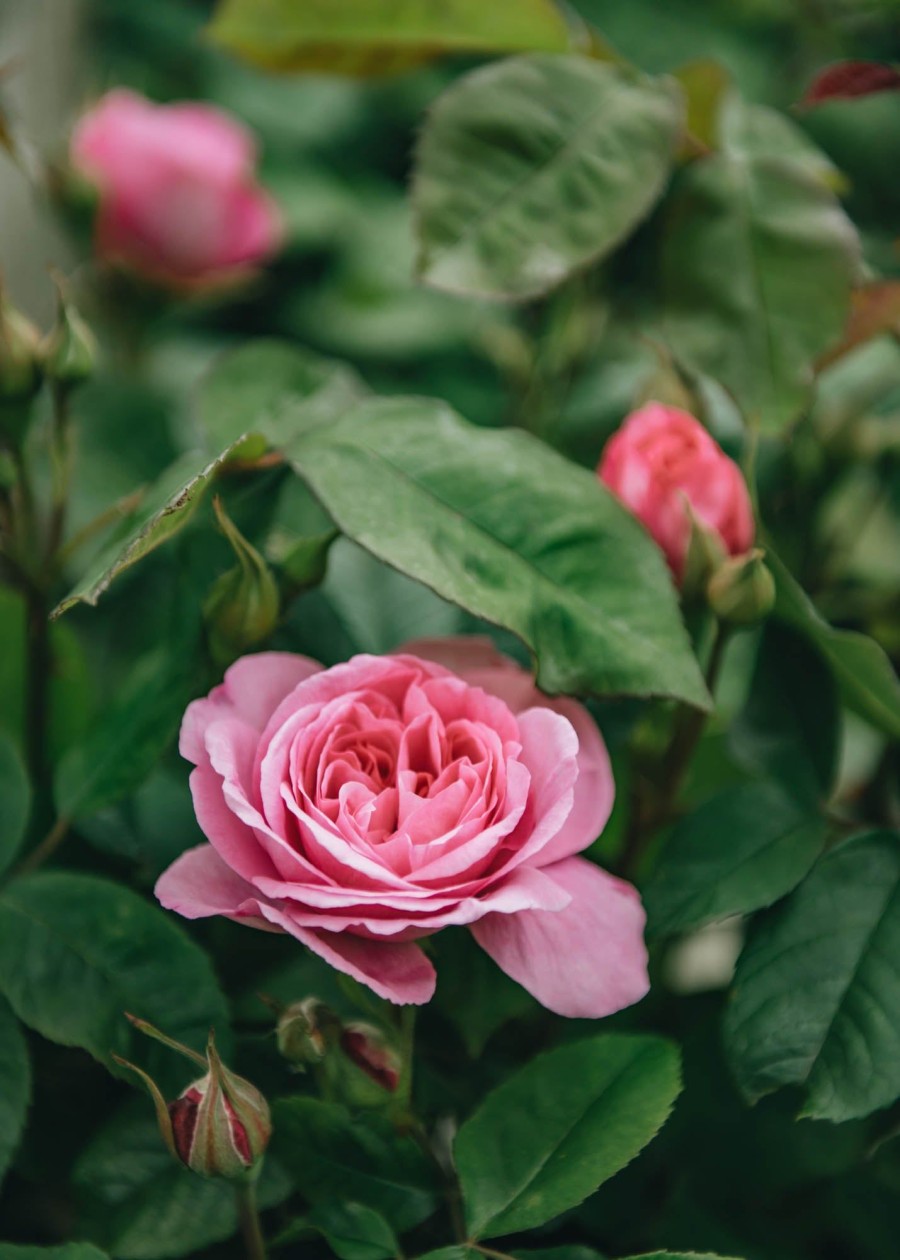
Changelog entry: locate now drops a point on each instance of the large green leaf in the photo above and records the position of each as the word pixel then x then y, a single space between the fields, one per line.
pixel 77 951
pixel 380 36
pixel 354 1232
pixel 790 727
pixel 864 673
pixel 333 1155
pixel 816 998
pixel 535 166
pixel 550 1135
pixel 758 260
pixel 512 532
pixel 141 1204
pixel 15 801
pixel 130 738
pixel 740 851
pixel 491 520
pixel 15 1085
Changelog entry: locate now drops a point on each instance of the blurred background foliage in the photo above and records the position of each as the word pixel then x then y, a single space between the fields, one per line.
pixel 337 155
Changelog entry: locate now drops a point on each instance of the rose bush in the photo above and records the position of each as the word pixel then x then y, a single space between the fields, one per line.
pixel 664 466
pixel 362 807
pixel 178 198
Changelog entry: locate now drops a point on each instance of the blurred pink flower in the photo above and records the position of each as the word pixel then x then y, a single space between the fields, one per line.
pixel 362 807
pixel 664 465
pixel 178 197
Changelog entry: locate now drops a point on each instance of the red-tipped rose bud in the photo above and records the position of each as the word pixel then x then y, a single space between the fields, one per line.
pixel 367 1047
pixel 220 1125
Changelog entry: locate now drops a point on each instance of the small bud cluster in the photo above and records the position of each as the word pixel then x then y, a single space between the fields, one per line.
pixel 354 1056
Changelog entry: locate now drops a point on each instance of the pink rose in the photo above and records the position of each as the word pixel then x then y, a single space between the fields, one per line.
pixel 179 201
pixel 660 463
pixel 362 807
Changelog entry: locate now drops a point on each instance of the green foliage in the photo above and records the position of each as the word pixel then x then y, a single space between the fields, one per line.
pixel 547 1137
pixel 77 952
pixel 353 38
pixel 758 259
pixel 15 1085
pixel 15 801
pixel 739 852
pixel 534 167
pixel 354 1232
pixel 817 990
pixel 332 1155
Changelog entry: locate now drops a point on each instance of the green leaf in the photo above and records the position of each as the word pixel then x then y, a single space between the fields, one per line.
pixel 311 391
pixel 790 727
pixel 499 524
pixel 758 259
pixel 533 167
pixel 354 1231
pixel 141 1204
pixel 120 752
pixel 473 994
pixel 15 801
pixel 550 1135
pixel 738 852
pixel 816 998
pixel 363 37
pixel 864 673
pixel 333 1155
pixel 275 390
pixel 67 1251
pixel 679 1255
pixel 15 1085
pixel 77 951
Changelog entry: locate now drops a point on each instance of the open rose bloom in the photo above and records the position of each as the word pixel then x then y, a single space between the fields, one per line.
pixel 178 197
pixel 363 807
pixel 664 466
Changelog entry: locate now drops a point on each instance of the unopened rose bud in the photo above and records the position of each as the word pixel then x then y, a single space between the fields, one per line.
pixel 367 1047
pixel 70 349
pixel 665 467
pixel 243 604
pixel 219 1126
pixel 742 590
pixel 305 1031
pixel 20 364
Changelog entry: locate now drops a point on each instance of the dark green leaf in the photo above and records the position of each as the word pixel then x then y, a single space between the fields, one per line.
pixel 15 1085
pixel 816 998
pixel 678 1255
pixel 473 994
pixel 533 167
pixel 865 675
pixel 354 1232
pixel 789 729
pixel 76 952
pixel 141 1204
pixel 512 532
pixel 548 1137
pixel 738 852
pixel 333 1155
pixel 66 1251
pixel 361 37
pixel 132 735
pixel 758 262
pixel 15 801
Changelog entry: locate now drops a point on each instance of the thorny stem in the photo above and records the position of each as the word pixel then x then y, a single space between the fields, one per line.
pixel 403 1097
pixel 37 677
pixel 248 1219
pixel 62 469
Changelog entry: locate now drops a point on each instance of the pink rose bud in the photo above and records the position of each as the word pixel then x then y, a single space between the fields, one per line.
pixel 668 471
pixel 219 1126
pixel 179 202
pixel 367 1047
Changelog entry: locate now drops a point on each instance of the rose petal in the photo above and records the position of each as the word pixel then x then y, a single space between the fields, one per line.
pixel 586 961
pixel 399 972
pixel 199 884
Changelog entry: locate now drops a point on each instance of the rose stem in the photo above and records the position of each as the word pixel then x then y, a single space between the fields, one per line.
pixel 248 1219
